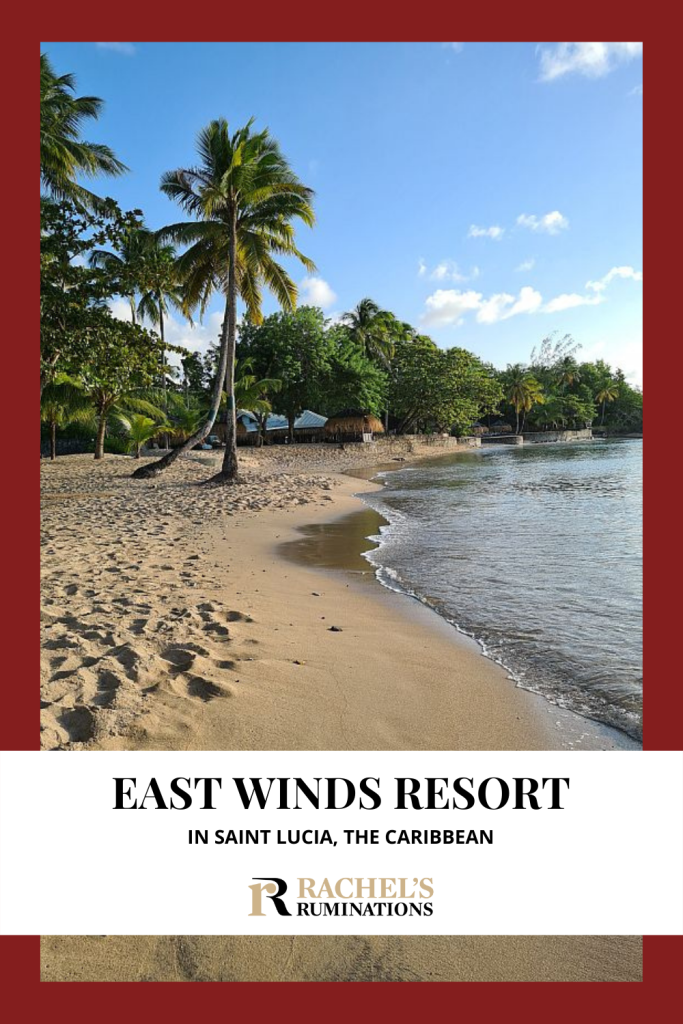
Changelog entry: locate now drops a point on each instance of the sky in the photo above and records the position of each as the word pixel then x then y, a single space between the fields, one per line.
pixel 487 193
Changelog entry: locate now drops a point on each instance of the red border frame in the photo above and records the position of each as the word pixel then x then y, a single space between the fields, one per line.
pixel 19 957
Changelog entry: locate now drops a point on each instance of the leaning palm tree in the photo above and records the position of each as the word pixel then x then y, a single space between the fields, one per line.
pixel 63 154
pixel 608 393
pixel 245 196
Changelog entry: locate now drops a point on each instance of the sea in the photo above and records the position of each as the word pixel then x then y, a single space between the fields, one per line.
pixel 536 553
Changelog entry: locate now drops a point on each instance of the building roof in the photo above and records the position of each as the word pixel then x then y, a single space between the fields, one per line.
pixel 307 421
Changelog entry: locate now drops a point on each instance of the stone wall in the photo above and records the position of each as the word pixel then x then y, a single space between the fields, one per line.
pixel 549 436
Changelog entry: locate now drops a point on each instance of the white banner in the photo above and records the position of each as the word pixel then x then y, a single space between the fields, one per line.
pixel 431 843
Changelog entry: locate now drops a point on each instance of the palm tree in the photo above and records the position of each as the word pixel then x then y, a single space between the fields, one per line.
pixel 608 393
pixel 523 393
pixel 63 154
pixel 160 289
pixel 140 429
pixel 126 263
pixel 567 372
pixel 368 325
pixel 62 403
pixel 253 394
pixel 147 266
pixel 245 197
pixel 185 415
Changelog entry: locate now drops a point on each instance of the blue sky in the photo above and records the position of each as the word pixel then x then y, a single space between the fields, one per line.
pixel 487 193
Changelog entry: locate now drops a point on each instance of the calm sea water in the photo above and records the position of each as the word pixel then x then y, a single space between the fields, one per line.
pixel 535 552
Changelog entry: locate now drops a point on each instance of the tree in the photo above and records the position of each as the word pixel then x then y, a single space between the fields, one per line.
pixel 63 153
pixel 125 265
pixel 609 393
pixel 566 372
pixel 352 380
pixel 62 403
pixel 294 348
pixel 122 361
pixel 523 392
pixel 440 389
pixel 73 293
pixel 368 326
pixel 140 429
pixel 245 197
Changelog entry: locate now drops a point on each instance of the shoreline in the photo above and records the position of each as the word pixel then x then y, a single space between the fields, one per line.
pixel 337 546
pixel 237 624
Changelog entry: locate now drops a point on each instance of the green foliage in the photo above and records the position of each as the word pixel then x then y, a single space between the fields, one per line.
pixel 63 153
pixel 294 348
pixel 140 429
pixel 352 381
pixel 444 390
pixel 73 294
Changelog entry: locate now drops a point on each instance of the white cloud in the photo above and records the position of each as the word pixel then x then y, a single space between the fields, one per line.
pixel 593 60
pixel 196 337
pixel 316 292
pixel 549 223
pixel 503 306
pixel 495 232
pixel 449 306
pixel 637 90
pixel 569 301
pixel 457 47
pixel 127 49
pixel 526 265
pixel 448 270
pixel 624 272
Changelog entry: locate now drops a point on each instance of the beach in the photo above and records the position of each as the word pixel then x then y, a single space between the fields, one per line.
pixel 176 616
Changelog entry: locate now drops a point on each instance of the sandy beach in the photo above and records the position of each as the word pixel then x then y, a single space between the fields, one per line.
pixel 176 616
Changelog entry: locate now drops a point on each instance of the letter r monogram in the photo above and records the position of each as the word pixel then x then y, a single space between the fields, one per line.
pixel 274 890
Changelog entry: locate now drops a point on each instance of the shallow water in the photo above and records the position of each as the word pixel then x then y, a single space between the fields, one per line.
pixel 536 552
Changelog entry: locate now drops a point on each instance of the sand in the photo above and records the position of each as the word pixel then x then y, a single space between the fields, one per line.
pixel 176 616
pixel 341 958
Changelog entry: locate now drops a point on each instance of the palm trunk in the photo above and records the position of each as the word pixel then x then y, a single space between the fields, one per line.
pixel 101 427
pixel 133 317
pixel 229 469
pixel 602 418
pixel 291 420
pixel 163 366
pixel 154 468
pixel 517 423
pixel 53 441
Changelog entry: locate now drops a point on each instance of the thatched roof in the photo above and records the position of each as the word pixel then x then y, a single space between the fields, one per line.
pixel 353 421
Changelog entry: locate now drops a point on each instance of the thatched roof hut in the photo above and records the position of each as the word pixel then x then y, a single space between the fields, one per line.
pixel 352 424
